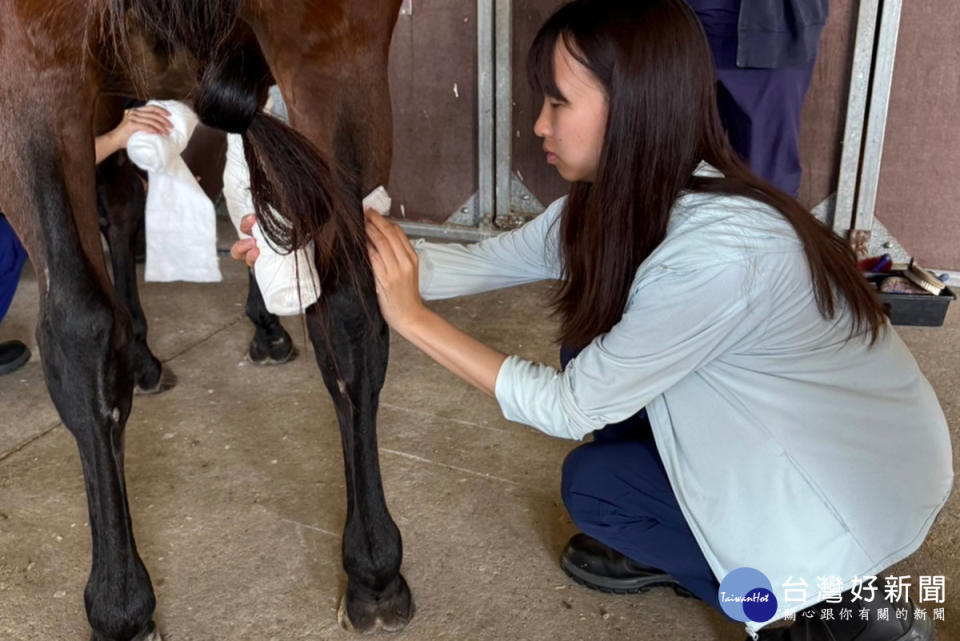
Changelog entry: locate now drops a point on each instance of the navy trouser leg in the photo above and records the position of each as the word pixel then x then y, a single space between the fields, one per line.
pixel 617 491
pixel 12 258
pixel 760 108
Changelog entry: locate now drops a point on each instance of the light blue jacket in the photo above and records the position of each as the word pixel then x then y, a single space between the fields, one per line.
pixel 790 449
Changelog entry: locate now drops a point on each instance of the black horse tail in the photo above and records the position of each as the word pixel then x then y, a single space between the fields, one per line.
pixel 298 195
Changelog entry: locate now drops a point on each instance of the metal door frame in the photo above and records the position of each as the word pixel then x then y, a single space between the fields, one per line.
pixel 502 201
pixel 871 77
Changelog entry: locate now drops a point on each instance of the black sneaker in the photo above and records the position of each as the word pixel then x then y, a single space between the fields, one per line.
pixel 13 356
pixel 812 626
pixel 599 567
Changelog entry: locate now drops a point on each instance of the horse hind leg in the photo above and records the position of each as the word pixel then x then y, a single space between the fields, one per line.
pixel 351 351
pixel 120 203
pixel 271 344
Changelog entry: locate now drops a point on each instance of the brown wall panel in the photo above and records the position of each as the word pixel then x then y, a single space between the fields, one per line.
pixel 435 136
pixel 822 119
pixel 528 157
pixel 919 189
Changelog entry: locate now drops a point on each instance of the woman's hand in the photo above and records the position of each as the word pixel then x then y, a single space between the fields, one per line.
pixel 149 118
pixel 396 269
pixel 245 249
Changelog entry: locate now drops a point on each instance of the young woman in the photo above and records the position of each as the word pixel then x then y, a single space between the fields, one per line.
pixel 749 404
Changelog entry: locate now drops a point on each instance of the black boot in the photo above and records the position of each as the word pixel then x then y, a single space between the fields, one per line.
pixel 811 626
pixel 599 567
pixel 13 355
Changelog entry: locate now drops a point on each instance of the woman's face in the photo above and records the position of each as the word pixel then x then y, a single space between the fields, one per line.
pixel 572 125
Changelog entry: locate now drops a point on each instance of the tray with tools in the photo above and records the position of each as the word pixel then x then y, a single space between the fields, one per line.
pixel 910 294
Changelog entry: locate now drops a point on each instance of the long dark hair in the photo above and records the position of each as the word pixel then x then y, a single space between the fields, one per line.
pixel 296 191
pixel 653 60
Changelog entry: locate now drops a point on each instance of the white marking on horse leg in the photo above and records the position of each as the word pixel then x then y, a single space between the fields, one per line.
pixel 153 636
pixel 342 386
pixel 115 414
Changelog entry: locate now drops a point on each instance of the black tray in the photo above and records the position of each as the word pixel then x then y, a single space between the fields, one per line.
pixel 915 309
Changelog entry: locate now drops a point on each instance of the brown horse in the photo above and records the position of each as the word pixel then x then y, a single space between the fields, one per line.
pixel 330 59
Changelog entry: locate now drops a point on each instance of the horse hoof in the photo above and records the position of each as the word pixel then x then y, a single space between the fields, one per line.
pixel 149 633
pixel 390 612
pixel 166 381
pixel 274 351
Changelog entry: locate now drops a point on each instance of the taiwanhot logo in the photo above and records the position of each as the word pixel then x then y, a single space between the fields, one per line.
pixel 746 594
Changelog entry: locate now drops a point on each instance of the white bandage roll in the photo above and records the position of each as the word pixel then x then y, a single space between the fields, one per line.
pixel 180 222
pixel 379 201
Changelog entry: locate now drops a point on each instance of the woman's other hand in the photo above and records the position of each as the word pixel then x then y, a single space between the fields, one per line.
pixel 396 269
pixel 245 249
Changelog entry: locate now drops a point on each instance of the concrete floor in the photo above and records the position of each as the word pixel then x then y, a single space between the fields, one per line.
pixel 237 491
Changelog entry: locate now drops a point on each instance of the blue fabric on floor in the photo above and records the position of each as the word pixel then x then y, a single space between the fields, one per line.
pixel 12 258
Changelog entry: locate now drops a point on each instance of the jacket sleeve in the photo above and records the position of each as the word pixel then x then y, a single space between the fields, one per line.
pixel 523 255
pixel 674 324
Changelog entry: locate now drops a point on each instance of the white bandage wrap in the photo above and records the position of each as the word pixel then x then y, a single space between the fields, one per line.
pixel 180 222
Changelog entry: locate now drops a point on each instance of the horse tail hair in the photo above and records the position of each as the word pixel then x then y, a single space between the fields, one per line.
pixel 298 195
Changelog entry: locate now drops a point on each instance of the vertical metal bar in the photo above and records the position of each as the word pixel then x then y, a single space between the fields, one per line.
pixel 485 113
pixel 877 116
pixel 856 109
pixel 503 38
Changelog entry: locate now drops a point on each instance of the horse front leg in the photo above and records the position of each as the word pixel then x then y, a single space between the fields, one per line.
pixel 351 342
pixel 85 340
pixel 120 203
pixel 85 343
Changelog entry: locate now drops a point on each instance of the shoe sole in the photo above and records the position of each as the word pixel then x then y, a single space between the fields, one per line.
pixel 921 630
pixel 13 366
pixel 625 586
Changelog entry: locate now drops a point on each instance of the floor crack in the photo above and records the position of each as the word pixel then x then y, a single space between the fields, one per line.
pixel 35 437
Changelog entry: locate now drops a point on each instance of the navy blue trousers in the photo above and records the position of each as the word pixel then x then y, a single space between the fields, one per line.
pixel 759 108
pixel 12 257
pixel 617 491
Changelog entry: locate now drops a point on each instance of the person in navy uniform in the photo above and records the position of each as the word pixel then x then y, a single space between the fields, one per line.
pixel 763 54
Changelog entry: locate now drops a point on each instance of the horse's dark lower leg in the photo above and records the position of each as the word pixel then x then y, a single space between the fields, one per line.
pixel 271 343
pixel 85 341
pixel 352 354
pixel 120 201
pixel 88 365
